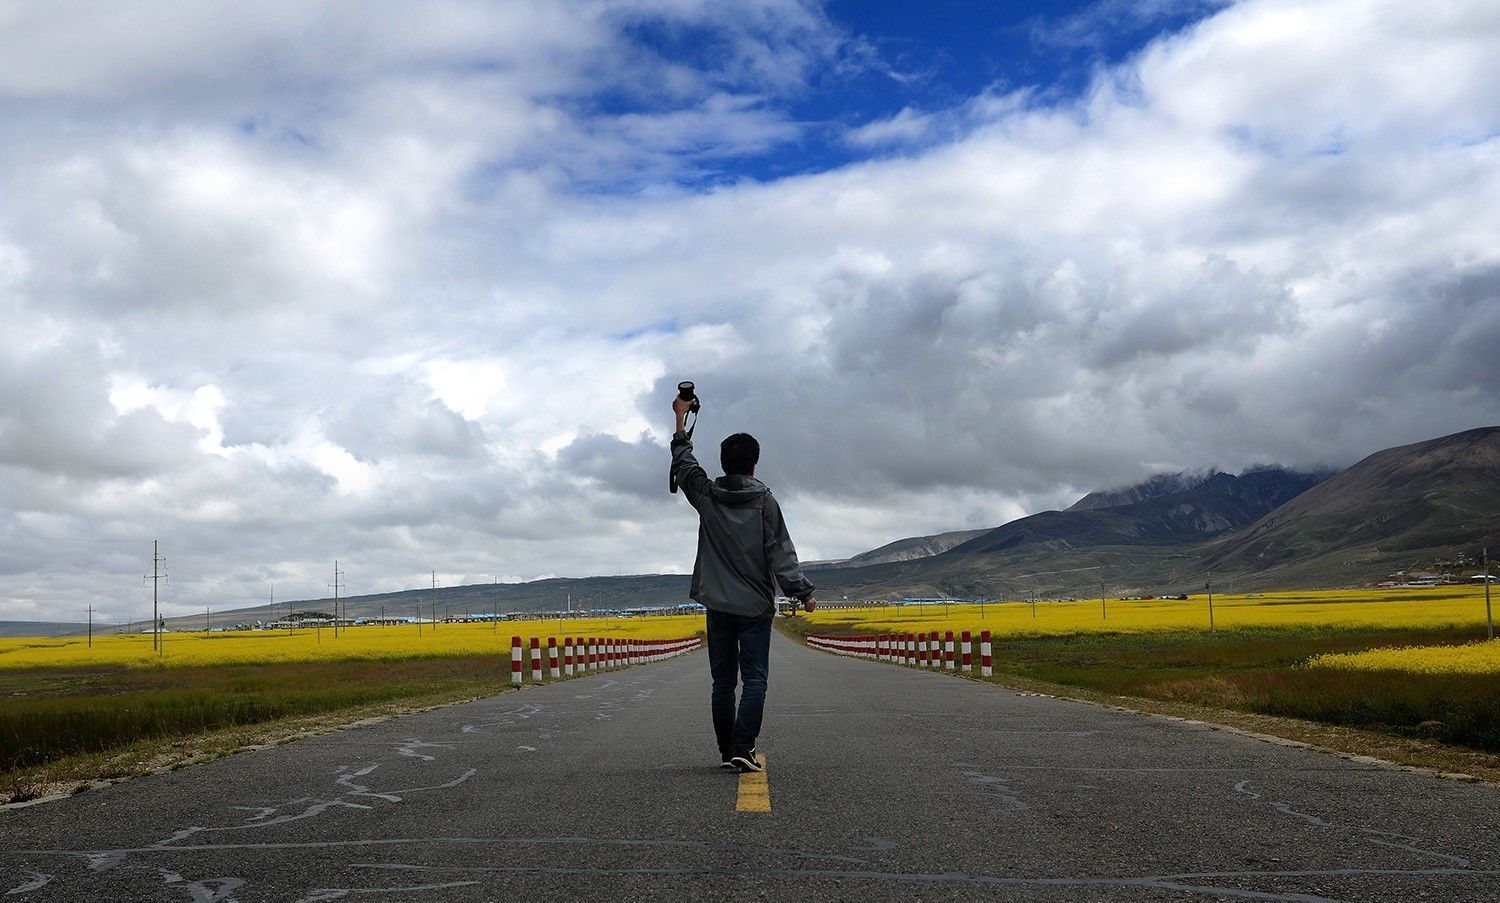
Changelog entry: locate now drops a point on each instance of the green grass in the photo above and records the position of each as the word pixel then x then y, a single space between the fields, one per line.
pixel 50 714
pixel 1260 671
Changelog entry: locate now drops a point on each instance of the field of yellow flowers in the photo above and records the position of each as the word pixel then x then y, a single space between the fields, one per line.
pixel 1470 658
pixel 1399 661
pixel 1436 607
pixel 352 644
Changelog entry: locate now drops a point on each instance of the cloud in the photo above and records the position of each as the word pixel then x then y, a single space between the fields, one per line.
pixel 1104 23
pixel 286 284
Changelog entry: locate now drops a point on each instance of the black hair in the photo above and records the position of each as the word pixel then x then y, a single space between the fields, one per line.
pixel 739 454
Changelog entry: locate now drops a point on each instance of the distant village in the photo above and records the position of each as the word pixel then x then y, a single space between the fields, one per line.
pixel 1457 571
pixel 312 620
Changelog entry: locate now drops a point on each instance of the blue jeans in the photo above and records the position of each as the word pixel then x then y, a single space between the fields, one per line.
pixel 738 645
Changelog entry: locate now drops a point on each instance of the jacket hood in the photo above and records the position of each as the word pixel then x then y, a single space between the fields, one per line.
pixel 737 489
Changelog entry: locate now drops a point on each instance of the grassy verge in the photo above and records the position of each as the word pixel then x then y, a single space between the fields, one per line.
pixel 1257 672
pixel 69 727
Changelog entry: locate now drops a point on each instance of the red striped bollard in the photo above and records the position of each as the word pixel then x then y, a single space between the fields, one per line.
pixel 985 662
pixel 967 646
pixel 593 653
pixel 932 643
pixel 887 647
pixel 921 650
pixel 909 643
pixel 583 654
pixel 515 661
pixel 536 661
pixel 948 650
pixel 552 669
pixel 567 656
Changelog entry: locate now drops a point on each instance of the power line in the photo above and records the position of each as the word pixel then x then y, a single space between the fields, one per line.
pixel 337 574
pixel 157 575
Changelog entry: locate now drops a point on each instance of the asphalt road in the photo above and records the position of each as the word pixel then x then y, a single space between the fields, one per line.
pixel 884 784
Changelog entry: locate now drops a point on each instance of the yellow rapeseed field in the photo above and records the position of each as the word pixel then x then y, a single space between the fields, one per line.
pixel 1459 606
pixel 357 643
pixel 1470 658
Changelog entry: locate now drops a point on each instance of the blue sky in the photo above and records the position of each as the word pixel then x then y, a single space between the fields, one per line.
pixel 931 57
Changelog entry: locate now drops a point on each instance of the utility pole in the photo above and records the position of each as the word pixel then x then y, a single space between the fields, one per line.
pixel 419 620
pixel 157 575
pixel 434 601
pixel 1209 585
pixel 1489 617
pixel 91 625
pixel 336 575
pixel 208 624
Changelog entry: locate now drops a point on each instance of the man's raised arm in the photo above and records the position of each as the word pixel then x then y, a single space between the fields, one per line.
pixel 689 474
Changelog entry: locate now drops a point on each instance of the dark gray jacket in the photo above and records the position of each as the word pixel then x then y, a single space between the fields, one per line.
pixel 744 551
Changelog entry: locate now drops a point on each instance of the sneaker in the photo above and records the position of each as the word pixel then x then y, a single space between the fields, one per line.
pixel 727 762
pixel 746 761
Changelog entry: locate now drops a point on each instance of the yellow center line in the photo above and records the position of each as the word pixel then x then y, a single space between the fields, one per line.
pixel 755 790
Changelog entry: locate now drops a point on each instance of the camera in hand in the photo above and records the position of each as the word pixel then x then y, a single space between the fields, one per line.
pixel 685 392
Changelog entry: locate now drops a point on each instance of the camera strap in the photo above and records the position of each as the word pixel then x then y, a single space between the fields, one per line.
pixel 694 425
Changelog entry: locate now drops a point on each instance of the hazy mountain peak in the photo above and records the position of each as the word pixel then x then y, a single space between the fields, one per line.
pixel 1152 487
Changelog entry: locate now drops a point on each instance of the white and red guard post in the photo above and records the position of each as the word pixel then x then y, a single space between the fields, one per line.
pixel 515 661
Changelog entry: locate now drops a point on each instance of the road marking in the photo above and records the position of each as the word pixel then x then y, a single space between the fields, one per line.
pixel 755 790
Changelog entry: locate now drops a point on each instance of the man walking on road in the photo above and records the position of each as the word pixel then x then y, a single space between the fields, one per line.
pixel 744 554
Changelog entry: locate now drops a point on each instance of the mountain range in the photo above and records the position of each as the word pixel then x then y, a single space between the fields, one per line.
pixel 1269 527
